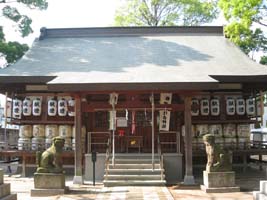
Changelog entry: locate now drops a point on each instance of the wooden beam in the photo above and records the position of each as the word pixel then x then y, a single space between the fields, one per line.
pixel 188 178
pixel 78 176
pixel 105 106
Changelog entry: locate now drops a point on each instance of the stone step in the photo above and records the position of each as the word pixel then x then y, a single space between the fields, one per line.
pixel 134 166
pixel 134 161
pixel 111 183
pixel 134 171
pixel 133 177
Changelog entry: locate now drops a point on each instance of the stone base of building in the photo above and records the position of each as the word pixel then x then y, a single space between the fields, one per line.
pixel 48 192
pixel 219 182
pixel 49 181
pixel 219 189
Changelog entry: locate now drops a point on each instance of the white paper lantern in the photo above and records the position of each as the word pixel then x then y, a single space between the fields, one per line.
pixel 62 107
pixel 113 98
pixel 71 104
pixel 230 106
pixel 240 106
pixel 194 107
pixel 36 107
pixel 112 120
pixel 52 107
pixel 250 106
pixel 215 107
pixel 205 107
pixel 27 106
pixel 17 108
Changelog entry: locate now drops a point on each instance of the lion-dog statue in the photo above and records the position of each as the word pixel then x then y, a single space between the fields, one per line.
pixel 50 161
pixel 218 159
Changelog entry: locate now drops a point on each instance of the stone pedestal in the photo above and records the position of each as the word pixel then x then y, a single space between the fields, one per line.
pixel 48 184
pixel 262 194
pixel 5 189
pixel 218 182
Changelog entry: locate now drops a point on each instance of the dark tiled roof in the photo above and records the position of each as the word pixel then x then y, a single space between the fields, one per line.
pixel 134 55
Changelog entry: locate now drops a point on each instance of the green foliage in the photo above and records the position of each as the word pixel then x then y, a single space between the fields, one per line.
pixel 241 14
pixel 263 60
pixel 14 50
pixel 165 12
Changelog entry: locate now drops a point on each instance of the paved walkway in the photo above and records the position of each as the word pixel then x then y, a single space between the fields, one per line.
pixel 248 182
pixel 22 187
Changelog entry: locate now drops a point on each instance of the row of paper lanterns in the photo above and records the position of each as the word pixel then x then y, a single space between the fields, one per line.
pixel 233 106
pixel 29 107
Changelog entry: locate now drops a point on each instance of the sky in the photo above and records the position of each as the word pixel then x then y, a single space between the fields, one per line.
pixel 65 13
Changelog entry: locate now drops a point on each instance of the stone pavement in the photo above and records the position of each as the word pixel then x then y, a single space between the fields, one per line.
pixel 22 187
pixel 248 182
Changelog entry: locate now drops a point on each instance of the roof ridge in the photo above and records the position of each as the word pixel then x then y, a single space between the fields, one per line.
pixel 128 31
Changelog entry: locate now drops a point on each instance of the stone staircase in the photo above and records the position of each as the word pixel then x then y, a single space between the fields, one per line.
pixel 134 170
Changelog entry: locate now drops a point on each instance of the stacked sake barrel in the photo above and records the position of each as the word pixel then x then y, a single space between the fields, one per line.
pixel 243 136
pixel 229 133
pixel 200 131
pixel 50 132
pixel 83 138
pixel 38 140
pixel 65 132
pixel 217 131
pixel 25 135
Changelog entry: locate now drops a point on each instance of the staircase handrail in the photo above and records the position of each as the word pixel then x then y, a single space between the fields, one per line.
pixel 161 158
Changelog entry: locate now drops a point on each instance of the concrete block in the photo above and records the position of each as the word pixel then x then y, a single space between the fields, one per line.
pixel 258 196
pixel 10 197
pixel 219 189
pixel 219 179
pixel 263 187
pixel 4 189
pixel 49 181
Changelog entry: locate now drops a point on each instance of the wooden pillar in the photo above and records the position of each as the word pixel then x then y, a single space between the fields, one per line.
pixel 188 178
pixel 78 174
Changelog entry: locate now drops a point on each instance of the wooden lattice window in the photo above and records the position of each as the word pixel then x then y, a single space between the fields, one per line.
pixel 101 119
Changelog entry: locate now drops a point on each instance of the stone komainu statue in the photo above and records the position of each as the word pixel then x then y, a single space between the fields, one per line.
pixel 50 161
pixel 218 160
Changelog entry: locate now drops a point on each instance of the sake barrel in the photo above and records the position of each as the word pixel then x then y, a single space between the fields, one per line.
pixel 38 144
pixel 25 131
pixel 64 131
pixel 229 130
pixel 68 144
pixel 230 143
pixel 243 130
pixel 201 129
pixel 216 130
pixel 48 142
pixel 38 131
pixel 243 143
pixel 51 131
pixel 83 132
pixel 24 144
pixel 82 145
